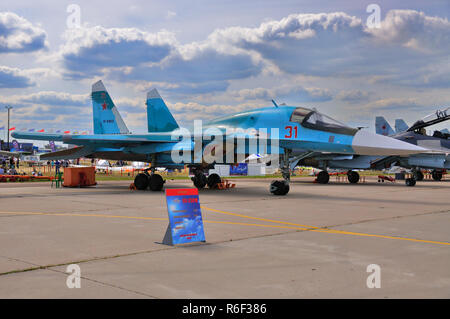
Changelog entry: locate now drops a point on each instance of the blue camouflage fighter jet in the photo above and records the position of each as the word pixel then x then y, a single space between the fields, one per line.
pixel 279 130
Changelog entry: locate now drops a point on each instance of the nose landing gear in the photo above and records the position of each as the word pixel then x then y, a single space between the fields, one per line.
pixel 282 187
pixel 279 187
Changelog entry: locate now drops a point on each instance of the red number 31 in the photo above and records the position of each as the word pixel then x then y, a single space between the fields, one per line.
pixel 289 128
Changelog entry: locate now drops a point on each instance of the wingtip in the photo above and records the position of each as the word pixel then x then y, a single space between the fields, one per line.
pixel 98 86
pixel 153 94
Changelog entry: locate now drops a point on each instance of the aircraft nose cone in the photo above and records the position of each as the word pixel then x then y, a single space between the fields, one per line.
pixel 366 143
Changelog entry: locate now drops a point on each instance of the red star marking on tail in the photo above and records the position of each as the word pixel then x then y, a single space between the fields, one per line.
pixel 104 106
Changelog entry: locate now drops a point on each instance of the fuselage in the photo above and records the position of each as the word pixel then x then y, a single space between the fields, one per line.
pixel 282 128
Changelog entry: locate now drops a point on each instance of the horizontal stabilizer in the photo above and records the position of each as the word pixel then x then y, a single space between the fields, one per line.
pixel 39 136
pixel 10 154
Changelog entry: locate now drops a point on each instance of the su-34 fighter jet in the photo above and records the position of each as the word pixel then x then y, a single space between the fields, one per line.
pixel 278 131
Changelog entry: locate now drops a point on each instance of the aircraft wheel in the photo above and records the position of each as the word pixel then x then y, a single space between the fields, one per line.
pixel 418 176
pixel 199 180
pixel 437 176
pixel 279 188
pixel 213 180
pixel 353 177
pixel 141 181
pixel 156 182
pixel 410 182
pixel 323 177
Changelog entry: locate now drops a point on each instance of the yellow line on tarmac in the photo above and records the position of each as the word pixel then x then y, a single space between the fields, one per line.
pixel 325 230
pixel 385 236
pixel 81 215
pixel 257 225
pixel 259 218
pixel 294 226
pixel 139 217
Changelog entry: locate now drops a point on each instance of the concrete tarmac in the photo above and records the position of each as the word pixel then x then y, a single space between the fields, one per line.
pixel 316 242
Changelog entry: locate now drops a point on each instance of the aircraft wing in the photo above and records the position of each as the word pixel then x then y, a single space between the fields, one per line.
pixel 9 154
pixel 13 154
pixel 70 153
pixel 117 139
pixel 103 145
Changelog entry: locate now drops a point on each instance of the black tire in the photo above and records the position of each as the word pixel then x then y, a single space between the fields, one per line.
pixel 156 182
pixel 410 182
pixel 199 180
pixel 141 181
pixel 323 177
pixel 437 176
pixel 353 177
pixel 418 176
pixel 213 180
pixel 279 188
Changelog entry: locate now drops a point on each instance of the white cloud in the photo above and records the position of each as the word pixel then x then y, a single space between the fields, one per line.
pixel 353 96
pixel 331 59
pixel 415 30
pixel 87 51
pixel 298 93
pixel 55 98
pixel 171 14
pixel 14 78
pixel 336 44
pixel 324 44
pixel 19 35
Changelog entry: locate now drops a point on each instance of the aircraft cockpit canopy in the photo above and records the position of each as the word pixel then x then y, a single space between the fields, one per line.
pixel 443 135
pixel 315 120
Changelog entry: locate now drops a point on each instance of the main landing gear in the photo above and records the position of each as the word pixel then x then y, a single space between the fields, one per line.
pixel 437 175
pixel 323 177
pixel 282 187
pixel 410 181
pixel 418 175
pixel 353 177
pixel 145 180
pixel 200 180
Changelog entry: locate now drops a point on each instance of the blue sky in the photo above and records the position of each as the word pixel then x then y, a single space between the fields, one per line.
pixel 208 58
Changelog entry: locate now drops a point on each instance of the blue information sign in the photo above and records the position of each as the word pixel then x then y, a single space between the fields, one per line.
pixel 239 169
pixel 185 217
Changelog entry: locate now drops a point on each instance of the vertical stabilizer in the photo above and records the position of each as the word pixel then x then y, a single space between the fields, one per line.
pixel 400 126
pixel 158 115
pixel 382 126
pixel 107 119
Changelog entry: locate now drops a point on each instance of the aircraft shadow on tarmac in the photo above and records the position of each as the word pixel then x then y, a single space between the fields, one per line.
pixel 399 183
pixel 242 192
